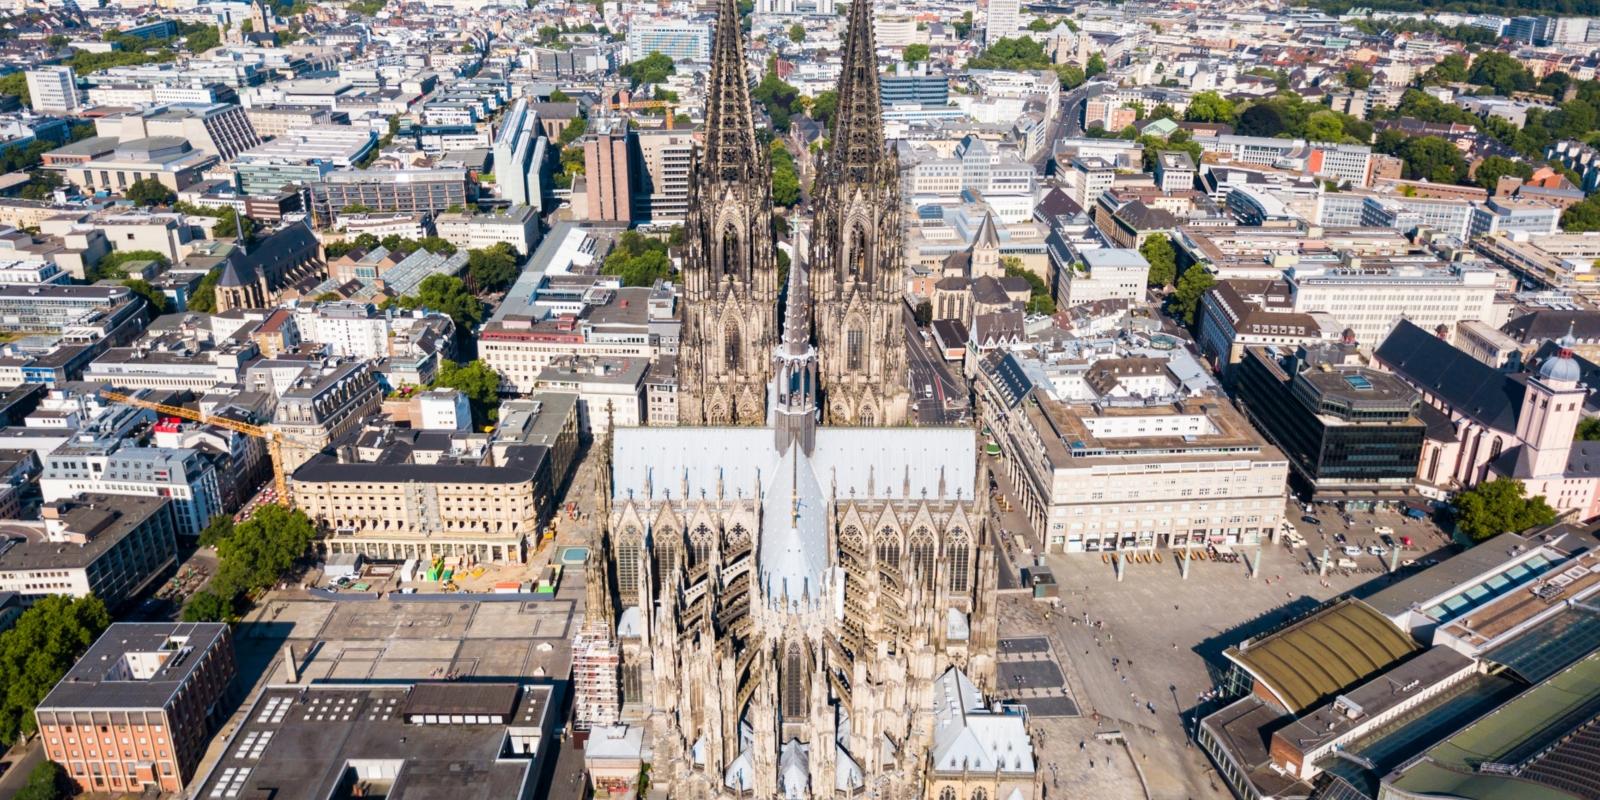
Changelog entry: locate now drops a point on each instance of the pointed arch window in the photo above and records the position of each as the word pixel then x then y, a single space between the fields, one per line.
pixel 888 549
pixel 922 556
pixel 700 546
pixel 628 554
pixel 664 549
pixel 854 346
pixel 957 552
pixel 794 684
pixel 730 346
pixel 857 264
pixel 730 251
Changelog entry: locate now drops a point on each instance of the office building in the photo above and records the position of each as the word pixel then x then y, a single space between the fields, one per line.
pixel 481 513
pixel 520 152
pixel 1117 457
pixel 923 90
pixel 221 130
pixel 1106 273
pixel 517 226
pixel 662 193
pixel 467 740
pixel 103 545
pixel 186 476
pixel 54 90
pixel 1003 20
pixel 301 157
pixel 608 167
pixel 138 709
pixel 60 309
pixel 322 405
pixel 383 190
pixel 683 41
pixel 1175 171
pixel 168 160
pixel 1351 433
pixel 1370 295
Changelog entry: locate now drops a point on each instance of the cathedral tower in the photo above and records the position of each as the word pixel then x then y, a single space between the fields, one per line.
pixel 856 284
pixel 730 276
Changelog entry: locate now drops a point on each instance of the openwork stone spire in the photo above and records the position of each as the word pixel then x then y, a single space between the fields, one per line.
pixel 857 144
pixel 730 153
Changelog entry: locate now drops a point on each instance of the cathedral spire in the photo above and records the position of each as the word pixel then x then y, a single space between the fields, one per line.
pixel 730 151
pixel 857 144
pixel 795 372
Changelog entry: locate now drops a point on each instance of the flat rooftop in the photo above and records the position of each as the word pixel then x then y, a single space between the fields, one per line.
pixel 335 741
pixel 1568 581
pixel 113 674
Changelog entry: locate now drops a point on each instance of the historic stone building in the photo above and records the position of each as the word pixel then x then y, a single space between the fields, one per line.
pixel 856 250
pixel 805 611
pixel 730 275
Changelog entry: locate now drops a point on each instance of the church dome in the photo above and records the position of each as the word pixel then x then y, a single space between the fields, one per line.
pixel 1562 366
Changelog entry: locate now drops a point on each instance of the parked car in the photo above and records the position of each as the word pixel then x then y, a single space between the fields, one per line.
pixel 1351 550
pixel 1310 520
pixel 1377 549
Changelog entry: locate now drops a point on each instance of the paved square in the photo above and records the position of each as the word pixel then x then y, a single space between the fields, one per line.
pixel 1047 707
pixel 1030 644
pixel 1026 675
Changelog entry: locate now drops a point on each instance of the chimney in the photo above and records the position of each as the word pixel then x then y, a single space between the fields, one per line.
pixel 291 664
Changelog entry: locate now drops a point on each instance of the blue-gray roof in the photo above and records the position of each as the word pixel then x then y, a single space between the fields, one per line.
pixel 1466 384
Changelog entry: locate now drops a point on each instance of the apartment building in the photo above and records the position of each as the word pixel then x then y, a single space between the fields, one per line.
pixel 662 192
pixel 186 476
pixel 517 226
pixel 103 545
pixel 1371 294
pixel 481 513
pixel 1132 465
pixel 678 39
pixel 324 404
pixel 54 90
pixel 137 711
pixel 608 166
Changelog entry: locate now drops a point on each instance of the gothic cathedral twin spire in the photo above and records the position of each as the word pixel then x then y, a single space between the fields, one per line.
pixel 731 280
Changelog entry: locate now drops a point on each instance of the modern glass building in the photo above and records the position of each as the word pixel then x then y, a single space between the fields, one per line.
pixel 1352 434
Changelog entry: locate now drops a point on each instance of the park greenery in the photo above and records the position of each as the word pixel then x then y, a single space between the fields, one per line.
pixel 114 265
pixel 637 259
pixel 1039 301
pixel 447 295
pixel 37 651
pixel 1163 259
pixel 492 268
pixel 781 100
pixel 785 179
pixel 1499 506
pixel 252 557
pixel 1184 302
pixel 478 381
pixel 148 192
pixel 653 68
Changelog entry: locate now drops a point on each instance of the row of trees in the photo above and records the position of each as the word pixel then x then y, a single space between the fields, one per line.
pixel 37 651
pixel 252 556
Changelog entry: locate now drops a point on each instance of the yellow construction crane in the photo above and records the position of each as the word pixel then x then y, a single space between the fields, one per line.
pixel 274 439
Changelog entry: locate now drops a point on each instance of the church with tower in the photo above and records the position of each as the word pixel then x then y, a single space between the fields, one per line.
pixel 798 585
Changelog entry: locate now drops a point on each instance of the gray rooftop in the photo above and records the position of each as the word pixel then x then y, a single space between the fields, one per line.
pixel 98 680
pixel 1447 576
pixel 104 519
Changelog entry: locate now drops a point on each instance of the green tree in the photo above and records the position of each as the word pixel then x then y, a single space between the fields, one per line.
pixel 573 131
pixel 1163 259
pixel 1582 217
pixel 797 33
pixel 202 40
pixel 1096 65
pixel 16 85
pixel 1450 69
pixel 149 192
pixel 1012 53
pixel 40 647
pixel 785 180
pixel 1588 430
pixel 1039 301
pixel 208 606
pixel 261 550
pixel 112 266
pixel 1434 159
pixel 1493 168
pixel 1324 126
pixel 1209 107
pixel 1263 119
pixel 492 268
pixel 778 97
pixel 1191 287
pixel 824 106
pixel 915 53
pixel 1040 25
pixel 218 528
pixel 653 68
pixel 1500 506
pixel 204 298
pixel 447 295
pixel 558 96
pixel 1500 72
pixel 151 295
pixel 963 26
pixel 1357 77
pixel 1071 76
pixel 47 781
pixel 478 381
pixel 637 259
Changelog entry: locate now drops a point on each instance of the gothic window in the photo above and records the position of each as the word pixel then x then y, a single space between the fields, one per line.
pixel 957 552
pixel 865 418
pixel 852 349
pixel 628 565
pixel 738 537
pixel 850 541
pixel 794 684
pixel 730 251
pixel 664 548
pixel 730 346
pixel 949 793
pixel 632 685
pixel 1494 449
pixel 888 549
pixel 979 794
pixel 700 546
pixel 922 556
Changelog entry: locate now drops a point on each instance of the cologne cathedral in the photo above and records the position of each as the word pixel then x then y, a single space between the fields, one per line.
pixel 799 584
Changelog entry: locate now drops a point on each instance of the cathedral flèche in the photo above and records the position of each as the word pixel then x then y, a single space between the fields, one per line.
pixel 797 587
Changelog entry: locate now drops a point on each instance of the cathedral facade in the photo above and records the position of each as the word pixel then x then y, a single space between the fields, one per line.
pixel 800 587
